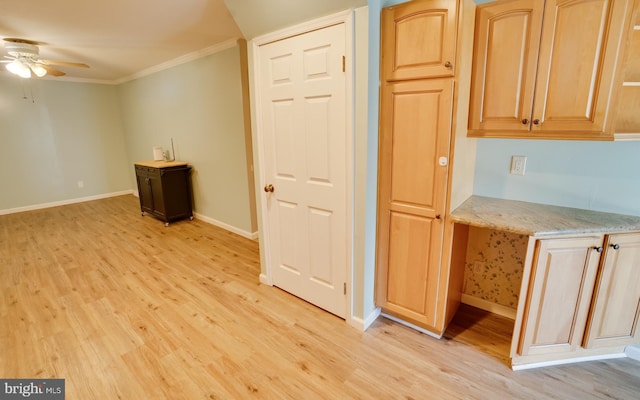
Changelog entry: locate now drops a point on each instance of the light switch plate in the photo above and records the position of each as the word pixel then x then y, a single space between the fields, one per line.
pixel 518 164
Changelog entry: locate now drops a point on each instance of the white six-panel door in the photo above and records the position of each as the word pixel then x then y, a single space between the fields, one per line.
pixel 303 127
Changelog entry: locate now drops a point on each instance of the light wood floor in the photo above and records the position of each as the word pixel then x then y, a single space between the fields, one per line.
pixel 124 308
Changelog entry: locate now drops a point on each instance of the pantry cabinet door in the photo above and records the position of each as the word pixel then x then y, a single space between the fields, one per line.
pixel 414 149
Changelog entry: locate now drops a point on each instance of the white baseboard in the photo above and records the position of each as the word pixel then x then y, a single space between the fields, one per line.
pixel 371 318
pixel 63 202
pixel 363 324
pixel 220 224
pixel 489 306
pixel 264 279
pixel 633 352
pixel 355 322
pixel 566 361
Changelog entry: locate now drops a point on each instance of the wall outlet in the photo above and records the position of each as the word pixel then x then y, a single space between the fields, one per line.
pixel 80 184
pixel 518 164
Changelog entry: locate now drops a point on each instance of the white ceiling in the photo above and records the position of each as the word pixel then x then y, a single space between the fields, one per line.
pixel 258 17
pixel 117 38
pixel 123 39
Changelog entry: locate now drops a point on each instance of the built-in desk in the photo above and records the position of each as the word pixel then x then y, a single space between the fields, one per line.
pixel 579 296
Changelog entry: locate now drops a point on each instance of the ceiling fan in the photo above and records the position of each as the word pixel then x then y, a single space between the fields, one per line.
pixel 24 59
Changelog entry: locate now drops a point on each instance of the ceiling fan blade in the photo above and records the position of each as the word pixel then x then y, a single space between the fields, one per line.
pixel 26 41
pixel 63 63
pixel 52 71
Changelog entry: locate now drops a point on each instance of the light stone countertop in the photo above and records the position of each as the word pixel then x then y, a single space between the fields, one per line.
pixel 535 219
pixel 161 164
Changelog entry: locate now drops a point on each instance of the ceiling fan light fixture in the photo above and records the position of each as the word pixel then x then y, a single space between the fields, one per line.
pixel 24 59
pixel 38 70
pixel 19 68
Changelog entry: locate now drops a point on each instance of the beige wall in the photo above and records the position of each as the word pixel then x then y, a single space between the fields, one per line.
pixel 199 105
pixel 54 134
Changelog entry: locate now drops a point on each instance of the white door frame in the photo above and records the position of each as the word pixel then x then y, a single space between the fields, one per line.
pixel 344 17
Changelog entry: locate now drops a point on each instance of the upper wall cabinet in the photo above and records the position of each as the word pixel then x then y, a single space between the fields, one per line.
pixel 547 69
pixel 628 109
pixel 424 40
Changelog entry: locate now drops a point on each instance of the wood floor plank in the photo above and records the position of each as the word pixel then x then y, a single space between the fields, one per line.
pixel 123 307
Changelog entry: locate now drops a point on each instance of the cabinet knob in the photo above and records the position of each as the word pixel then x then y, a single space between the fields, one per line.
pixel 269 188
pixel 536 121
pixel 525 121
pixel 438 216
pixel 598 249
pixel 615 246
pixel 448 64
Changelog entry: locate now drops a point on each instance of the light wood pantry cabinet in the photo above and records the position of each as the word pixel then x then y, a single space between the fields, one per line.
pixel 416 113
pixel 547 69
pixel 415 131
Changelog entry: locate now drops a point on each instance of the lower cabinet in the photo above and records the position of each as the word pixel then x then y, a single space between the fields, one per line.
pixel 582 297
pixel 165 192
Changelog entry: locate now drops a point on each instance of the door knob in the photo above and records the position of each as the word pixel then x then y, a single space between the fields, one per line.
pixel 269 188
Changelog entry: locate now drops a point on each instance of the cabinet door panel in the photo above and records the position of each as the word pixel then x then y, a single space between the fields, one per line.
pixel 176 193
pixel 144 191
pixel 409 284
pixel 414 146
pixel 577 65
pixel 559 295
pixel 418 39
pixel 414 133
pixel 157 196
pixel 616 306
pixel 505 57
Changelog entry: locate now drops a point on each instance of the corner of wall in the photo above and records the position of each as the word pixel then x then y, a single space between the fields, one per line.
pixel 464 154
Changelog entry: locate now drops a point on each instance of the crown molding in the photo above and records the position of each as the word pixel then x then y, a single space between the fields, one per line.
pixel 154 69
